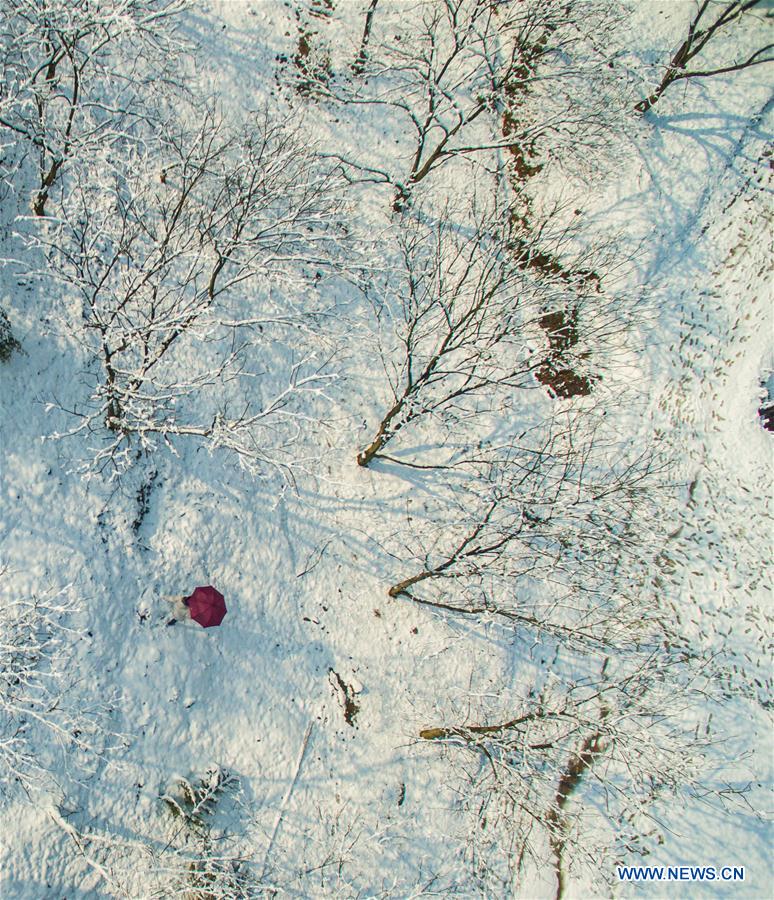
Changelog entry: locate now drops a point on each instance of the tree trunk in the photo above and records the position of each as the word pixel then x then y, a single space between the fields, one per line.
pixel 383 435
pixel 39 203
pixel 113 413
pixel 401 198
pixel 576 768
pixel 644 105
pixel 402 586
pixel 40 199
pixel 362 56
pixel 676 65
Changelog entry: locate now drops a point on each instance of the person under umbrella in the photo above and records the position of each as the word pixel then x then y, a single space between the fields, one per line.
pixel 206 605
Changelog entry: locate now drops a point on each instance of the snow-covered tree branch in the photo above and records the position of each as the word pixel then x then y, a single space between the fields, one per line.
pixel 76 76
pixel 448 69
pixel 701 30
pixel 471 305
pixel 170 254
pixel 40 718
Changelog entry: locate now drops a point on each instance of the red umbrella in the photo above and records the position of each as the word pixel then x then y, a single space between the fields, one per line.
pixel 207 606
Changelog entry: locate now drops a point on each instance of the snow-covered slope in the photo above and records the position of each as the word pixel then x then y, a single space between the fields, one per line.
pixel 315 688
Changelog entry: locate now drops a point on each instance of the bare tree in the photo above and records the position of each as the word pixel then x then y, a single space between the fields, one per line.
pixel 567 774
pixel 558 541
pixel 557 538
pixel 158 251
pixel 457 324
pixel 448 67
pixel 468 303
pixel 72 75
pixel 700 32
pixel 540 531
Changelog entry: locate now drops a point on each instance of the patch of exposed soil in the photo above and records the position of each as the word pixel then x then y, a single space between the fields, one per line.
pixel 346 694
pixel 549 265
pixel 561 328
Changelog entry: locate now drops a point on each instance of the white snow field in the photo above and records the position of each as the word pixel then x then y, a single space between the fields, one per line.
pixel 572 672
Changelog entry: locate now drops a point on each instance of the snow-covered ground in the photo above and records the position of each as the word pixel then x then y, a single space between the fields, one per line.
pixel 316 686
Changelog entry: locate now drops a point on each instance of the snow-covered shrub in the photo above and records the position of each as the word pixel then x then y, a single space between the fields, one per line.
pixel 202 850
pixel 194 801
pixel 8 343
pixel 38 720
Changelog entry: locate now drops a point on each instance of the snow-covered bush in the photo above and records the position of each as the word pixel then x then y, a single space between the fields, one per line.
pixel 193 801
pixel 8 343
pixel 194 848
pixel 38 720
